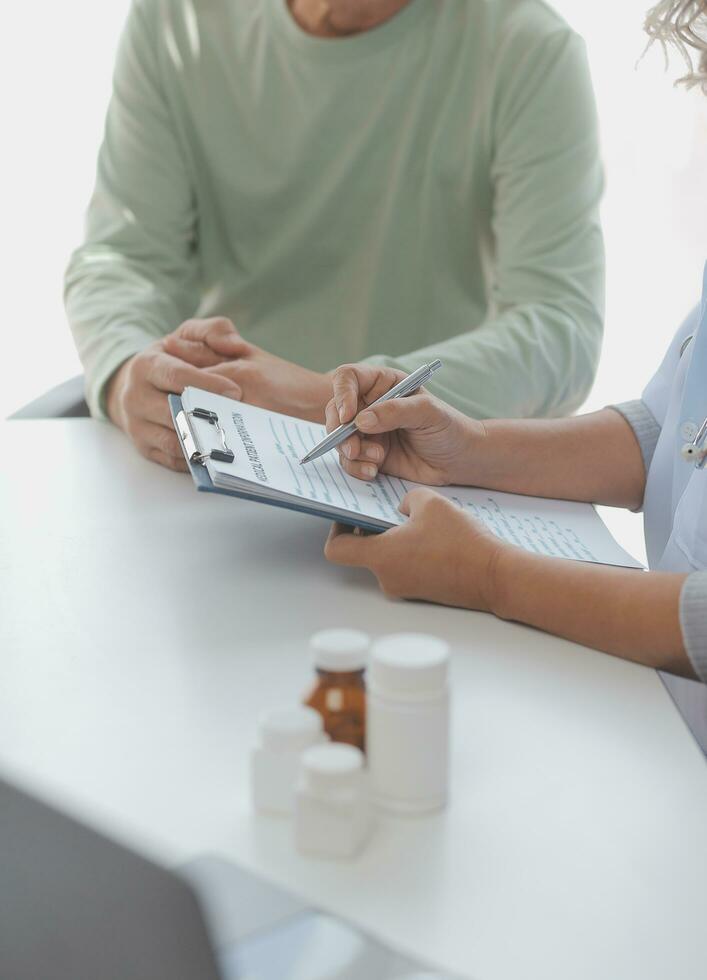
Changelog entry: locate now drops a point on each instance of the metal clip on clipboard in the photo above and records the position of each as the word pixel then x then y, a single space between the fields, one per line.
pixel 223 455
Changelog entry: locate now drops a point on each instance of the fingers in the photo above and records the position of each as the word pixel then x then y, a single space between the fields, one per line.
pixel 207 342
pixel 331 416
pixel 220 334
pixel 160 444
pixel 359 457
pixel 416 500
pixel 355 383
pixel 351 448
pixel 371 451
pixel 169 462
pixel 345 548
pixel 170 374
pixel 215 329
pixel 192 351
pixel 345 385
pixel 360 471
pixel 141 404
pixel 152 407
pixel 370 456
pixel 418 411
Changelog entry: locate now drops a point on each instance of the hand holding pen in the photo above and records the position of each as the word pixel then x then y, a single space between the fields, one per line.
pixel 400 389
pixel 417 437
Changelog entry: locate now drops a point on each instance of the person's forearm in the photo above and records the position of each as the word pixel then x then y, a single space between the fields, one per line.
pixel 623 612
pixel 593 458
pixel 112 321
pixel 535 360
pixel 535 354
pixel 137 275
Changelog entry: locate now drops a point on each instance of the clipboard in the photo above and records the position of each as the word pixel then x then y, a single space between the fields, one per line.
pixel 197 450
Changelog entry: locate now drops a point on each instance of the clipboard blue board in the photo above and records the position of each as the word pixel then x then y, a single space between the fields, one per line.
pixel 202 480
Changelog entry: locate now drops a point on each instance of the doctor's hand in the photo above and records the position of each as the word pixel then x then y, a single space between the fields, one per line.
pixel 262 378
pixel 440 554
pixel 416 438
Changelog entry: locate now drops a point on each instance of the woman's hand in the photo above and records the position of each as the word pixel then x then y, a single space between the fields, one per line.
pixel 416 438
pixel 440 554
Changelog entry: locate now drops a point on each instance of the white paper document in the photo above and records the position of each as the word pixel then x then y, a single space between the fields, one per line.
pixel 269 446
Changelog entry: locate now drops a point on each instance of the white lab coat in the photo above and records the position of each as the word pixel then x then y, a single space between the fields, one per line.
pixel 675 502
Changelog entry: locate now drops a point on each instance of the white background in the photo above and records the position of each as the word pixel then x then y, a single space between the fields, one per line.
pixel 54 86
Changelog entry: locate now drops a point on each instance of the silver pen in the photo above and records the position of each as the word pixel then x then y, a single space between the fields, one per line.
pixel 400 390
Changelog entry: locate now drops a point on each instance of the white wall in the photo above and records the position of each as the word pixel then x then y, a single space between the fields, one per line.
pixel 55 76
pixel 54 85
pixel 654 139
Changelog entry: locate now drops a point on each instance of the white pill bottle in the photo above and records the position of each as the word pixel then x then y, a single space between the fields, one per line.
pixel 332 811
pixel 407 733
pixel 285 734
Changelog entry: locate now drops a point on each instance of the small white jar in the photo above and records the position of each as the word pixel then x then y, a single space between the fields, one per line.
pixel 332 813
pixel 274 765
pixel 407 724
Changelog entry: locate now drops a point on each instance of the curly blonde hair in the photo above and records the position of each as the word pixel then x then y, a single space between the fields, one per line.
pixel 682 24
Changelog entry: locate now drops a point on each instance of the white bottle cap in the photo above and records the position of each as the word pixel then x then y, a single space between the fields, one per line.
pixel 332 767
pixel 409 664
pixel 290 729
pixel 340 650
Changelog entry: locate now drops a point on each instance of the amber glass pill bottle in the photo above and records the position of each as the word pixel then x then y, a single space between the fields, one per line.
pixel 339 693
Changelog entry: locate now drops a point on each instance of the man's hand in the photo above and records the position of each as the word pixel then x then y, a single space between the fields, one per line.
pixel 137 400
pixel 441 554
pixel 264 379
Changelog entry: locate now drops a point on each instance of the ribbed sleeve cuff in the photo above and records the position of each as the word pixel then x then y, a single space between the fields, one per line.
pixel 693 621
pixel 645 428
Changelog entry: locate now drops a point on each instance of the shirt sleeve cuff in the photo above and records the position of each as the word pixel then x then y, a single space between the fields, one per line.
pixel 693 621
pixel 645 428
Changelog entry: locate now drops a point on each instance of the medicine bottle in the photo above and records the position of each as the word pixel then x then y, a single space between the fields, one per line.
pixel 284 734
pixel 332 811
pixel 339 694
pixel 408 722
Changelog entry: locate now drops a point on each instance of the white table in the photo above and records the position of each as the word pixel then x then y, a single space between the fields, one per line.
pixel 143 628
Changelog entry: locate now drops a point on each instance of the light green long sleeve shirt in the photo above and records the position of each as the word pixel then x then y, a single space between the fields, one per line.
pixel 428 188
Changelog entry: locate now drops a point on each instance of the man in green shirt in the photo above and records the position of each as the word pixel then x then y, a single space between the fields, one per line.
pixel 338 180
